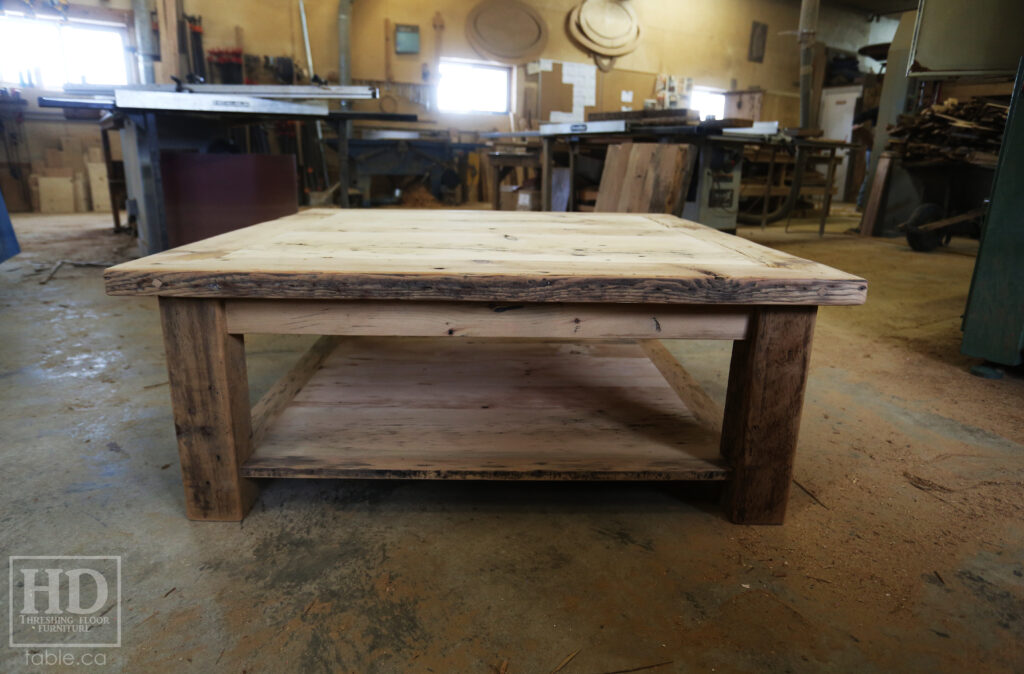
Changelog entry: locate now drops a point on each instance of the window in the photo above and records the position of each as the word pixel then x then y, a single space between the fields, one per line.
pixel 473 87
pixel 44 52
pixel 708 102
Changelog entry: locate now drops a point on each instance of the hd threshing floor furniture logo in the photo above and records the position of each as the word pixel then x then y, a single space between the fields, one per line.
pixel 65 602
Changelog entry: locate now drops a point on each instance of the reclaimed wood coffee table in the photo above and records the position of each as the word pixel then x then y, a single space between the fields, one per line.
pixel 542 358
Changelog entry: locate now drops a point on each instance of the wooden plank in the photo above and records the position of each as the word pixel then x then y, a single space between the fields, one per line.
pixel 503 159
pixel 705 410
pixel 637 184
pixel 955 220
pixel 485 256
pixel 58 172
pixel 482 319
pixel 750 190
pixel 99 188
pixel 273 402
pixel 80 192
pixel 210 399
pixel 651 182
pixel 488 409
pixel 762 413
pixel 876 197
pixel 679 115
pixel 670 179
pixel 613 176
pixel 56 195
pixel 631 188
pixel 169 64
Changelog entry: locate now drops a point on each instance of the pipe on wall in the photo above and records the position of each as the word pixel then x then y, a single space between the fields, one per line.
pixel 144 47
pixel 807 37
pixel 344 42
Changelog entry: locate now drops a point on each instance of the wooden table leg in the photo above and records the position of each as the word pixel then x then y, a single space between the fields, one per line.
pixel 498 173
pixel 546 166
pixel 762 412
pixel 573 150
pixel 210 398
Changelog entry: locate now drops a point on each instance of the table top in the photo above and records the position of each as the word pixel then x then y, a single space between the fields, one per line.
pixel 503 256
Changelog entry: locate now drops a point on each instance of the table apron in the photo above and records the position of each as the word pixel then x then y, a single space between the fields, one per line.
pixel 486 319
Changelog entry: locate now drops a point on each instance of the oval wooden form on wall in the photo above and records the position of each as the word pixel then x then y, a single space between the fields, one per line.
pixel 585 42
pixel 609 23
pixel 506 30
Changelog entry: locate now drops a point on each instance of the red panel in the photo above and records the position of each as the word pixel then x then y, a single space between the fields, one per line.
pixel 209 194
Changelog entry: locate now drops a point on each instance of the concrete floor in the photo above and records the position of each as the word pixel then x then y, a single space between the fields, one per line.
pixel 902 552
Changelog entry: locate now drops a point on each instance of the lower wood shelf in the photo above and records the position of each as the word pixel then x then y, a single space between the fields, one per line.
pixel 462 408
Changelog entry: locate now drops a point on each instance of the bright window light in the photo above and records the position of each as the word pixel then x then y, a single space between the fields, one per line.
pixel 472 87
pixel 708 103
pixel 50 54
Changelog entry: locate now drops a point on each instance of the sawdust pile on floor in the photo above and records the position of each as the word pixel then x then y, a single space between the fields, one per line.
pixel 418 196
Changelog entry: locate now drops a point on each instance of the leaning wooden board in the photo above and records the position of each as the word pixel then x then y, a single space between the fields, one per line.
pixel 485 345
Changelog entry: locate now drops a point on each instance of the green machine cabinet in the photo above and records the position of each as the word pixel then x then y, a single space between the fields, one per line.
pixel 994 320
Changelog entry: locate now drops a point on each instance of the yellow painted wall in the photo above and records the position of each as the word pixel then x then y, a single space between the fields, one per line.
pixel 703 39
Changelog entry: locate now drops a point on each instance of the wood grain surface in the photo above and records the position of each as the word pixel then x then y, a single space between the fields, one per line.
pixel 397 254
pixel 488 409
pixel 210 399
pixel 644 178
pixel 275 400
pixel 767 376
pixel 485 319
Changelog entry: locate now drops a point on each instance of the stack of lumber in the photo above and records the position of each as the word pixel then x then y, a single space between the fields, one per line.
pixel 969 132
pixel 672 117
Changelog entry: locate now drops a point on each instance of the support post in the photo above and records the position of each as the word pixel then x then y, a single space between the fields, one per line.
pixel 210 399
pixel 344 175
pixel 762 412
pixel 497 175
pixel 768 185
pixel 826 202
pixel 546 164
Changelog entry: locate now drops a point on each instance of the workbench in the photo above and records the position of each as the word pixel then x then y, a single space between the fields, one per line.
pixel 504 164
pixel 157 120
pixel 721 156
pixel 438 160
pixel 485 345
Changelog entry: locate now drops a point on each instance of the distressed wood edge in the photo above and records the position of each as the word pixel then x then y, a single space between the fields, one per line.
pixel 751 389
pixel 719 473
pixel 281 393
pixel 551 320
pixel 483 288
pixel 181 321
pixel 705 410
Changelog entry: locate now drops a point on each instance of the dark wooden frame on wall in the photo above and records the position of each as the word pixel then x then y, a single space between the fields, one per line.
pixel 758 42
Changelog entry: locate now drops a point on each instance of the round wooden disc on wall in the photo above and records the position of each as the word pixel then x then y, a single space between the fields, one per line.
pixel 506 30
pixel 609 23
pixel 611 17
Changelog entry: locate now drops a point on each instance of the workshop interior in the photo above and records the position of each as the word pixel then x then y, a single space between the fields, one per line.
pixel 513 335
